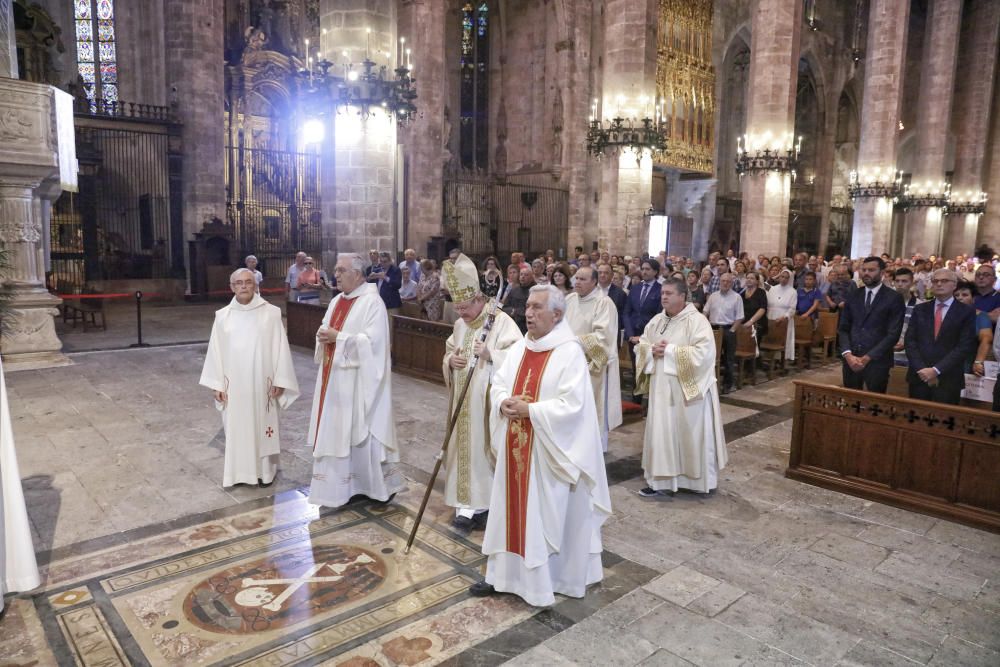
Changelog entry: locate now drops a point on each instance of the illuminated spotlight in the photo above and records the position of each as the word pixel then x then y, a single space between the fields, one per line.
pixel 352 76
pixel 313 131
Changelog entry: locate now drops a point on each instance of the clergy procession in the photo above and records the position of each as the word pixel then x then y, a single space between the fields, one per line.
pixel 529 415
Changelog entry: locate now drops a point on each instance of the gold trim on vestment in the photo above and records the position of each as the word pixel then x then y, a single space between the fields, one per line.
pixel 686 373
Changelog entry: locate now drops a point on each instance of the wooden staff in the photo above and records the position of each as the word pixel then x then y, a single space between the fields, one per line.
pixel 494 305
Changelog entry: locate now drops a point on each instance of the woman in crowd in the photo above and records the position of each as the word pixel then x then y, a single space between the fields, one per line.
pixel 809 298
pixel 772 276
pixel 984 329
pixel 429 290
pixel 561 278
pixel 258 277
pixel 695 290
pixel 739 276
pixel 491 279
pixel 781 302
pixel 755 305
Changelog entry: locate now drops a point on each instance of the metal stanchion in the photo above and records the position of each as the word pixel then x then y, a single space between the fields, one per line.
pixel 138 320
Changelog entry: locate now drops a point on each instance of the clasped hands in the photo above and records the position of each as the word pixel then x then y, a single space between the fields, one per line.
pixel 515 407
pixel 659 349
pixel 327 335
pixel 458 361
pixel 929 376
pixel 273 392
pixel 855 363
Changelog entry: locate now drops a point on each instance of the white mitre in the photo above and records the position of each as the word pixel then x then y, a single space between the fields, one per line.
pixel 461 278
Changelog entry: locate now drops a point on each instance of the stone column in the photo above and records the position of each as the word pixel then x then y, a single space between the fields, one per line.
pixel 974 85
pixel 937 83
pixel 427 136
pixel 630 73
pixel 359 164
pixel 195 85
pixel 776 29
pixel 37 137
pixel 883 91
pixel 989 223
pixel 8 47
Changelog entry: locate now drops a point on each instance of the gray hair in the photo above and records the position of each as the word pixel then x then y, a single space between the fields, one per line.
pixel 232 276
pixel 354 259
pixel 249 257
pixel 557 300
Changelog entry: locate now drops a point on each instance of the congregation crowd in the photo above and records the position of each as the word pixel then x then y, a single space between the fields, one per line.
pixel 532 367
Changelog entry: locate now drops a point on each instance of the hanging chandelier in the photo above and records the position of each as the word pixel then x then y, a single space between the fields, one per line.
pixel 926 195
pixel 767 152
pixel 875 184
pixel 627 131
pixel 361 88
pixel 973 203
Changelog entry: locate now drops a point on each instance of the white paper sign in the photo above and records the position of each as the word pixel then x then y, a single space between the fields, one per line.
pixel 978 388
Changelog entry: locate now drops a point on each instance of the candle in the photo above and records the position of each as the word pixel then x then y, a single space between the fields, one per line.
pixel 407 59
pixel 368 43
pixel 399 53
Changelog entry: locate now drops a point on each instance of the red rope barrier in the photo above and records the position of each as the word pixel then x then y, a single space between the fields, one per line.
pixel 71 297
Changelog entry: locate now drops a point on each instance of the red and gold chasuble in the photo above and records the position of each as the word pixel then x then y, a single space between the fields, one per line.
pixel 519 442
pixel 337 318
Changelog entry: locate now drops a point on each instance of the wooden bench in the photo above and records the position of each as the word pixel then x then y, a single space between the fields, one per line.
pixel 87 311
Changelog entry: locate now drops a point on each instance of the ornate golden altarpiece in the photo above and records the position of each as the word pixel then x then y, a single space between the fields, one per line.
pixel 685 83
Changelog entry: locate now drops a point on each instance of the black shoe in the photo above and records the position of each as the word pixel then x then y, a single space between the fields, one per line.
pixel 650 492
pixel 462 523
pixel 262 485
pixel 479 520
pixel 383 502
pixel 481 589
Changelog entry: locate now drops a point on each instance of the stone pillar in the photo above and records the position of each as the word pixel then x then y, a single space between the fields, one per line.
pixel 989 223
pixel 974 85
pixel 578 166
pixel 196 86
pixel 359 163
pixel 626 193
pixel 937 83
pixel 38 152
pixel 629 73
pixel 8 47
pixel 776 29
pixel 883 91
pixel 426 138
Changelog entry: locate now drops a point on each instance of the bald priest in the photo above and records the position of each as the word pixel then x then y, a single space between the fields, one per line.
pixel 249 369
pixel 550 493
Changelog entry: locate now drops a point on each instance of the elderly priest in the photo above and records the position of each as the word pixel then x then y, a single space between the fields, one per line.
pixel 593 317
pixel 550 494
pixel 249 369
pixel 684 446
pixel 469 463
pixel 351 429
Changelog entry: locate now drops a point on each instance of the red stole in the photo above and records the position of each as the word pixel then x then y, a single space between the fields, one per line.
pixel 520 434
pixel 337 318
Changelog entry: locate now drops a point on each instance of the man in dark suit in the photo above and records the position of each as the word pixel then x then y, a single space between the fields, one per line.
pixel 940 337
pixel 870 323
pixel 643 301
pixel 612 291
pixel 389 279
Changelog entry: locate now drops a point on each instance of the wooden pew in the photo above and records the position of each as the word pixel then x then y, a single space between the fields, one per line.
pixel 418 347
pixel 942 460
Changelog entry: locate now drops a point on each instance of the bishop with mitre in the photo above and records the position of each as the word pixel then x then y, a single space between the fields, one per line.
pixel 593 317
pixel 469 463
pixel 351 428
pixel 249 368
pixel 684 446
pixel 550 493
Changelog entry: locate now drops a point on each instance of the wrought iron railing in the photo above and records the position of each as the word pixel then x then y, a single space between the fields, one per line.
pixel 123 109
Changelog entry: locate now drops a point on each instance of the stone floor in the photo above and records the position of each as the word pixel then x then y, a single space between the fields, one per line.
pixel 121 458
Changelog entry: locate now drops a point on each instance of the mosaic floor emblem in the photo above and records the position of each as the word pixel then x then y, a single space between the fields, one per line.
pixel 282 589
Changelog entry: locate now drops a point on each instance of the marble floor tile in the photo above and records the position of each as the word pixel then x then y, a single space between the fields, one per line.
pixel 681 585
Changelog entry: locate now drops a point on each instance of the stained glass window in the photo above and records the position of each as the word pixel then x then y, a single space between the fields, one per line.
pixel 474 86
pixel 96 55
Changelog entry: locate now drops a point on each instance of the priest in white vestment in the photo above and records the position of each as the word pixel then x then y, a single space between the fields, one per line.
pixel 249 368
pixel 351 429
pixel 550 493
pixel 18 568
pixel 593 317
pixel 684 446
pixel 469 461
